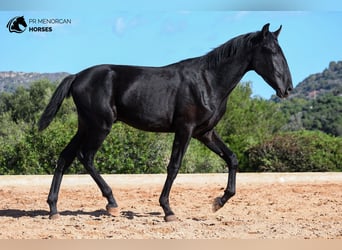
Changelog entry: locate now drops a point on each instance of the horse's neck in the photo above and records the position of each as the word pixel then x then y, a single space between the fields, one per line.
pixel 228 74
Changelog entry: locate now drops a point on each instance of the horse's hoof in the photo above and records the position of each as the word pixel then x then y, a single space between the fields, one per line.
pixel 170 218
pixel 54 216
pixel 114 211
pixel 217 204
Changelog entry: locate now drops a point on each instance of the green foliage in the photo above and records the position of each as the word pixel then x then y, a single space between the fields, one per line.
pixel 23 150
pixel 323 113
pixel 199 159
pixel 24 103
pixel 11 135
pixel 248 121
pixel 297 152
pixel 127 150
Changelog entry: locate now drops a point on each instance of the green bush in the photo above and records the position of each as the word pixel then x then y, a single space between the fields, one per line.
pixel 128 150
pixel 47 146
pixel 12 139
pixel 248 121
pixel 297 152
pixel 32 152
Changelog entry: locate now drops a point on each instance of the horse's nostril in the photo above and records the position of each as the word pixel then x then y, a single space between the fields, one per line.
pixel 289 89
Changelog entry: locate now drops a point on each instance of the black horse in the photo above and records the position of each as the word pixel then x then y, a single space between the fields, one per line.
pixel 187 98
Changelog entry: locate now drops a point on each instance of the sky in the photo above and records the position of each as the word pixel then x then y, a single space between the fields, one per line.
pixel 157 33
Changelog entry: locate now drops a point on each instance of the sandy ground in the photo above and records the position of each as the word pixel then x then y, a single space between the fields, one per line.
pixel 266 206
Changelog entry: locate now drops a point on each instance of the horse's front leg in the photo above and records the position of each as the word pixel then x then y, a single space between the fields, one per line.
pixel 215 143
pixel 179 147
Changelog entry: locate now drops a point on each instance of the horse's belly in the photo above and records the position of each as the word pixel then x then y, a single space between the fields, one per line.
pixel 146 119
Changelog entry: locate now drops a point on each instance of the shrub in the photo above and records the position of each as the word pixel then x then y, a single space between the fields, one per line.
pixel 297 152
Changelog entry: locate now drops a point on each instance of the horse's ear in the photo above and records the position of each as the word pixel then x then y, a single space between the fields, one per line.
pixel 276 33
pixel 265 30
pixel 261 35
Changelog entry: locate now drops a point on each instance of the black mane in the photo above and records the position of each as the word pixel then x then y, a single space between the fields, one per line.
pixel 231 48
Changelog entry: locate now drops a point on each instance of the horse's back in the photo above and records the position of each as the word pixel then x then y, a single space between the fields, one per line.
pixel 148 98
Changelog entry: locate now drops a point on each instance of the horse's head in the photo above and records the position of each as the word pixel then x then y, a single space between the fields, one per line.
pixel 21 21
pixel 270 63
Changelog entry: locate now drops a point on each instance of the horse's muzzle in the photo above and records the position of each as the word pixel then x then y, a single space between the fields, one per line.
pixel 284 93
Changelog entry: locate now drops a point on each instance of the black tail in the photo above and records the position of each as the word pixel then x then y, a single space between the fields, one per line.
pixel 62 91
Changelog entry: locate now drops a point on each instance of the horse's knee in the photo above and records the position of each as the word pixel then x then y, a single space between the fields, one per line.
pixel 62 165
pixel 233 161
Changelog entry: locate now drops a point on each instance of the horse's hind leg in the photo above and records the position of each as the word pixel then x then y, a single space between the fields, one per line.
pixel 91 144
pixel 65 159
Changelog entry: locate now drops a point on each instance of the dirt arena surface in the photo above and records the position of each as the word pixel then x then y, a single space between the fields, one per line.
pixel 266 206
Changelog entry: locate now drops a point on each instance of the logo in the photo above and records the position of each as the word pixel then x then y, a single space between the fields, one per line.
pixel 17 24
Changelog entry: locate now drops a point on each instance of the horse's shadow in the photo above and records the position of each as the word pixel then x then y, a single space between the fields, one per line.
pixel 17 213
pixel 130 214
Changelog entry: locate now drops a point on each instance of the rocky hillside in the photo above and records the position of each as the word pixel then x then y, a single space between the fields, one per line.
pixel 10 80
pixel 328 81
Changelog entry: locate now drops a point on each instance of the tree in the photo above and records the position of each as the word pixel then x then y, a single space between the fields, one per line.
pixel 323 113
pixel 24 104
